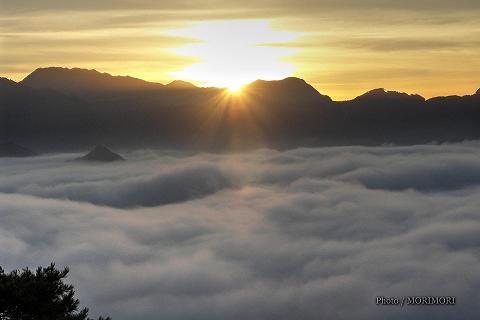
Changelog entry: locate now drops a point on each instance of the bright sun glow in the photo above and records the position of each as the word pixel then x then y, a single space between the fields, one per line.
pixel 234 53
pixel 235 88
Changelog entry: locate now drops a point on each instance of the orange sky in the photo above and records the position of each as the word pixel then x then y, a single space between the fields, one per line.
pixel 342 47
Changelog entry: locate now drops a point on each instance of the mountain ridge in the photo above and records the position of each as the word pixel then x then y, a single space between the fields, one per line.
pixel 78 80
pixel 180 84
pixel 381 92
pixel 41 78
pixel 277 114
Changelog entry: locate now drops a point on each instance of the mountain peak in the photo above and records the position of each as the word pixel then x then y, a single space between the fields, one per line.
pixel 381 93
pixel 79 81
pixel 179 84
pixel 6 81
pixel 290 81
pixel 294 80
pixel 102 154
pixel 6 84
pixel 288 89
pixel 376 92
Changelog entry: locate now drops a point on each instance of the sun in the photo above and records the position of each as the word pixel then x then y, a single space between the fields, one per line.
pixel 235 89
pixel 232 53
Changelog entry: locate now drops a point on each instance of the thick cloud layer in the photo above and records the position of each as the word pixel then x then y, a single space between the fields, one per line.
pixel 300 234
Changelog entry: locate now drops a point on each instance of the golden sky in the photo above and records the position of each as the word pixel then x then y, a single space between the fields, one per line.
pixel 342 47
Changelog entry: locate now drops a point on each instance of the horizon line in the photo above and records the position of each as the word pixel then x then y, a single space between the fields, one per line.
pixel 247 84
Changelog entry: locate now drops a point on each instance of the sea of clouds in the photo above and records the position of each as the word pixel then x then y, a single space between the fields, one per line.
pixel 300 234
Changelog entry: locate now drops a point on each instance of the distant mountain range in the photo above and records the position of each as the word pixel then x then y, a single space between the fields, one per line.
pixel 60 108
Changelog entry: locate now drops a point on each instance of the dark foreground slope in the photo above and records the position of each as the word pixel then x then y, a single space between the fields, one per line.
pixel 73 108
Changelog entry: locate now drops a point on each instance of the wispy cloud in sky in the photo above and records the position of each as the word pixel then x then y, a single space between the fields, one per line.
pixel 347 47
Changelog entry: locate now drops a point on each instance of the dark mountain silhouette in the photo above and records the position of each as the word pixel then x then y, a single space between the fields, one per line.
pixel 478 91
pixel 10 149
pixel 179 84
pixel 287 90
pixel 82 81
pixel 102 154
pixel 59 108
pixel 380 96
pixel 6 83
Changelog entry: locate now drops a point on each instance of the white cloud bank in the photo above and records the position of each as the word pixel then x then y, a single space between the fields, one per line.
pixel 300 234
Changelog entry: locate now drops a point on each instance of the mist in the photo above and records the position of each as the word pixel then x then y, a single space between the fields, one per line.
pixel 309 233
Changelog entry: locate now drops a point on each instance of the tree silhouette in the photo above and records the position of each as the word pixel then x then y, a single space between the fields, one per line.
pixel 39 295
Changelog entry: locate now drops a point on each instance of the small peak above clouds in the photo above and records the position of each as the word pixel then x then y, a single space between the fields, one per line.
pixel 101 154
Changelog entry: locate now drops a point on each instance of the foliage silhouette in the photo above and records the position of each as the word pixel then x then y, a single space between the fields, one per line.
pixel 39 295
